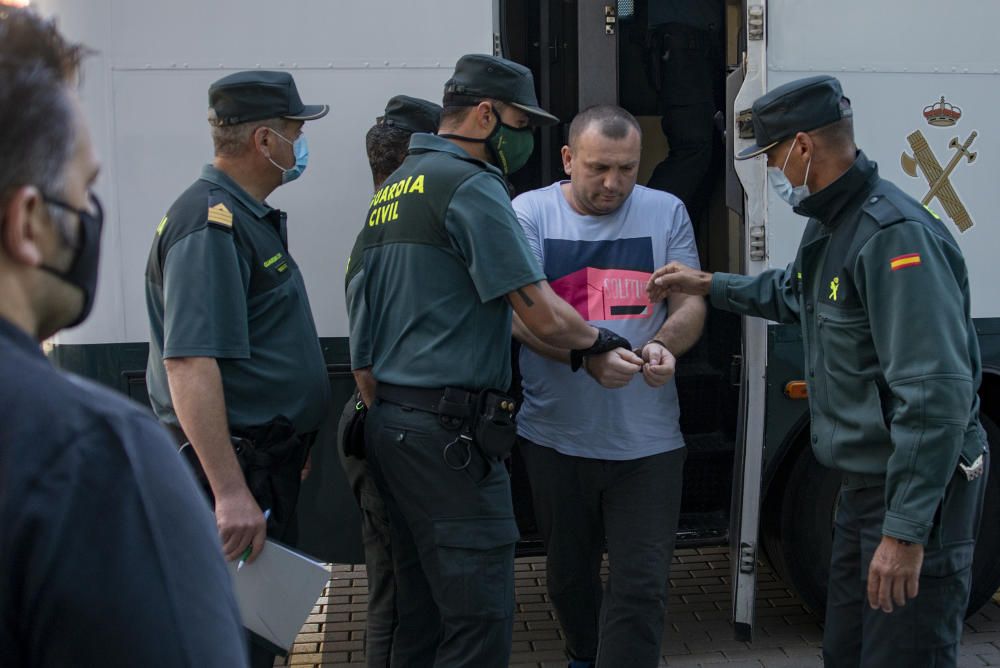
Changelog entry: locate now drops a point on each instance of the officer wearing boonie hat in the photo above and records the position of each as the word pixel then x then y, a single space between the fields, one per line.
pixel 233 346
pixel 431 282
pixel 896 414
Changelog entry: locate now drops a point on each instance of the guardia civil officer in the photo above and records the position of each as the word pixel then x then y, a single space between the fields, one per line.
pixel 108 554
pixel 896 413
pixel 386 144
pixel 439 263
pixel 233 347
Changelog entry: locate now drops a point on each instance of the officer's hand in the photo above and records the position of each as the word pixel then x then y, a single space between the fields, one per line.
pixel 894 574
pixel 614 368
pixel 676 277
pixel 241 522
pixel 659 364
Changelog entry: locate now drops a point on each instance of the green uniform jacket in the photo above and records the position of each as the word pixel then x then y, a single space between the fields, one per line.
pixel 881 291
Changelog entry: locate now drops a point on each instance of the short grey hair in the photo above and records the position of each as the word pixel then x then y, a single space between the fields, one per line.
pixel 231 141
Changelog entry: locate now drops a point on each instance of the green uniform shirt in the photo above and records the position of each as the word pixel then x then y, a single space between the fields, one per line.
pixel 426 281
pixel 221 283
pixel 881 291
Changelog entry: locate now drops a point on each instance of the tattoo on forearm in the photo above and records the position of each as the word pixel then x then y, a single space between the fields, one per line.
pixel 528 301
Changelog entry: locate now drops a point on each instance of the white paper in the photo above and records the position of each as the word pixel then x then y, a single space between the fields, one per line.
pixel 277 592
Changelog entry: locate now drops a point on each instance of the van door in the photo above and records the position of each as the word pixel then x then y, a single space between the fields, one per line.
pixel 749 458
pixel 598 29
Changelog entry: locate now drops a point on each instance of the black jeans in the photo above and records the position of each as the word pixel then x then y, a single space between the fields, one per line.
pixel 926 632
pixel 634 505
pixel 453 536
pixel 380 624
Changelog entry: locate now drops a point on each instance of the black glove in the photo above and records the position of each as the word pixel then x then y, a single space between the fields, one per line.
pixel 606 340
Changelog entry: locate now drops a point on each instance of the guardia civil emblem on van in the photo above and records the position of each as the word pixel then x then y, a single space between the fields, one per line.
pixel 941 114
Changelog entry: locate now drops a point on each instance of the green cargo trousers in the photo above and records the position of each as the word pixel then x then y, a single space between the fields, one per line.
pixel 927 631
pixel 453 535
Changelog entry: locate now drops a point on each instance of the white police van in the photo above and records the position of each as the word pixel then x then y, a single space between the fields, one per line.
pixel 923 81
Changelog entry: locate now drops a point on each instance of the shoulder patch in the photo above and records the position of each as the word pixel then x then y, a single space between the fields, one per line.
pixel 219 215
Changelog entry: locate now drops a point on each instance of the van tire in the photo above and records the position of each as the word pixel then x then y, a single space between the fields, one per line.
pixel 804 512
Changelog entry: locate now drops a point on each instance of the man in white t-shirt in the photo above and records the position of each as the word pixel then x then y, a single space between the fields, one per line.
pixel 606 464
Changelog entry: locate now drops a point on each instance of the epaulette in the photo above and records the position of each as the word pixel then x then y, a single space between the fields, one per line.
pixel 220 210
pixel 891 205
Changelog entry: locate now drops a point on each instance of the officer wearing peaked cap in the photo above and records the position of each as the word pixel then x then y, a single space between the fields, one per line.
pixel 411 113
pixel 233 347
pixel 386 144
pixel 898 415
pixel 388 140
pixel 439 264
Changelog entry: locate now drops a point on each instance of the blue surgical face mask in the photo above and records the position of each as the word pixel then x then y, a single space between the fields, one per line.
pixel 782 187
pixel 301 150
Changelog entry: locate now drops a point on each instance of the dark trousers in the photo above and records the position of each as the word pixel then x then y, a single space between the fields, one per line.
pixel 690 80
pixel 453 535
pixel 633 505
pixel 380 624
pixel 926 632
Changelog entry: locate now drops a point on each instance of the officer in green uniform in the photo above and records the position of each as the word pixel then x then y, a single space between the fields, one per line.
pixel 233 346
pixel 386 144
pixel 881 291
pixel 431 281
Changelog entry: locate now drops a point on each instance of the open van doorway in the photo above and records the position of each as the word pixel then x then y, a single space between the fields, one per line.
pixel 564 43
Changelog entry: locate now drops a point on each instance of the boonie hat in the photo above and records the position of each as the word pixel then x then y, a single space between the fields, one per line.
pixel 797 106
pixel 412 114
pixel 480 76
pixel 258 94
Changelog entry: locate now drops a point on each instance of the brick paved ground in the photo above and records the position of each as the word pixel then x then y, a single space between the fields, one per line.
pixel 697 632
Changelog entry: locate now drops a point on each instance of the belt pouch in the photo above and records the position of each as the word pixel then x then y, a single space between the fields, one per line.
pixel 494 430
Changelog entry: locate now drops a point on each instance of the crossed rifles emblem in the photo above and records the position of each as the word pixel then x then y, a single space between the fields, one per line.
pixel 940 114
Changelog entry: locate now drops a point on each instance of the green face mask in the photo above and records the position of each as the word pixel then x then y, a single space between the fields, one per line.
pixel 511 147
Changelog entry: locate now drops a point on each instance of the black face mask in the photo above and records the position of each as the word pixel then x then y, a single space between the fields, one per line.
pixel 82 272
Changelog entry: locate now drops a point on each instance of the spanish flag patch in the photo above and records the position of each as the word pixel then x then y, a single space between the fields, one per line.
pixel 220 214
pixel 902 261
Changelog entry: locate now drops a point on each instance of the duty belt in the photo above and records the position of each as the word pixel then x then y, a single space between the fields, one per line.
pixel 177 433
pixel 449 401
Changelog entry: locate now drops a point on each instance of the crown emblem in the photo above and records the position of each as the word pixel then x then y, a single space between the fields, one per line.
pixel 942 114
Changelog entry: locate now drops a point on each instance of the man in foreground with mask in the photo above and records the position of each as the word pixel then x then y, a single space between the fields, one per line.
pixel 235 368
pixel 109 555
pixel 437 267
pixel 881 291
